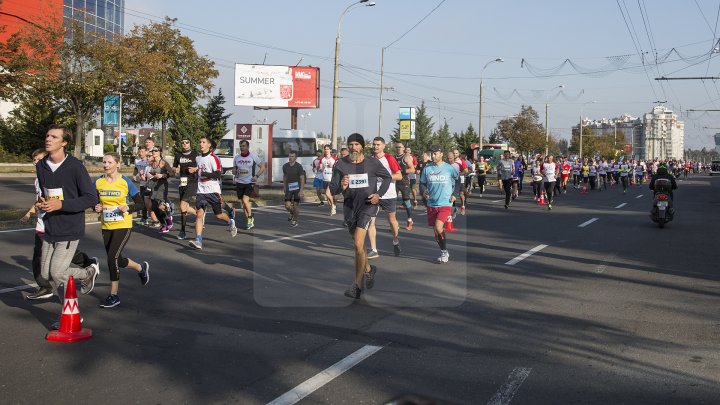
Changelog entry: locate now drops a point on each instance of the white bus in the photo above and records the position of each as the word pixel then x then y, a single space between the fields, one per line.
pixel 271 145
pixel 715 167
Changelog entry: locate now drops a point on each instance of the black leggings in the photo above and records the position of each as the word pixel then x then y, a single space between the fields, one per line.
pixel 481 183
pixel 549 191
pixel 537 188
pixel 80 259
pixel 507 186
pixel 115 240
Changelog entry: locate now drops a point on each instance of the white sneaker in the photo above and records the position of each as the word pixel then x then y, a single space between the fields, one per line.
pixel 444 257
pixel 333 210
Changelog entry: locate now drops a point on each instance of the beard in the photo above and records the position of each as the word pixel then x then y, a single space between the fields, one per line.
pixel 355 155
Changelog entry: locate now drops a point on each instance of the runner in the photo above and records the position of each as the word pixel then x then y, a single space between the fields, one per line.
pixel 624 172
pixel 357 178
pixel 139 177
pixel 186 165
pixel 318 179
pixel 80 259
pixel 424 161
pixel 387 201
pixel 438 183
pixel 156 197
pixel 566 167
pixel 247 168
pixel 537 178
pixel 114 191
pixel 505 169
pixel 209 194
pixel 481 168
pixel 603 170
pixel 593 174
pixel 462 173
pixel 405 162
pixel 577 166
pixel 326 163
pixel 413 177
pixel 67 192
pixel 549 171
pixel 293 185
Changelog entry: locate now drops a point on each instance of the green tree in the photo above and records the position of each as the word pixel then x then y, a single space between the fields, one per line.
pixel 496 136
pixel 443 138
pixel 562 146
pixel 423 131
pixel 523 131
pixel 27 123
pixel 189 125
pixel 215 117
pixel 465 139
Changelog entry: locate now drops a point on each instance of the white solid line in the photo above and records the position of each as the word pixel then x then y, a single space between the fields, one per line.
pixel 506 393
pixel 621 205
pixel 18 288
pixel 639 196
pixel 526 255
pixel 588 222
pixel 303 235
pixel 309 386
pixel 497 200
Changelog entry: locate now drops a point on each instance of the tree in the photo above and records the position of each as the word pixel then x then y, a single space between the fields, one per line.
pixel 423 131
pixel 27 123
pixel 465 139
pixel 443 138
pixel 167 77
pixel 523 131
pixel 215 117
pixel 496 136
pixel 562 146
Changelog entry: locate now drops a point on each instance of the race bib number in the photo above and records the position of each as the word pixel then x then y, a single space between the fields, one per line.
pixel 243 172
pixel 54 194
pixel 358 180
pixel 112 214
pixel 183 181
pixel 327 173
pixel 462 179
pixel 294 186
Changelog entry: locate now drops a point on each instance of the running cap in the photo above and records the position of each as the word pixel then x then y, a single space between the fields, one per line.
pixel 356 138
pixel 435 148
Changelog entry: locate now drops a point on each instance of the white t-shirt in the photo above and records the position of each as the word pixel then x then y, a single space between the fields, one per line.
pixel 392 166
pixel 326 165
pixel 317 169
pixel 207 164
pixel 243 167
pixel 549 169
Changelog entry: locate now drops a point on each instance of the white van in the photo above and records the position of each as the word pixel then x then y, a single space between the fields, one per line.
pixel 271 145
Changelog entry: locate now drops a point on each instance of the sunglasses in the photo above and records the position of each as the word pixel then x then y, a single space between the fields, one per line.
pixel 185 141
pixel 155 150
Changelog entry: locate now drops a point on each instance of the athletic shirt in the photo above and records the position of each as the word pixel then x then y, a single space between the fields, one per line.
pixel 603 168
pixel 576 168
pixel 207 164
pixel 593 170
pixel 186 160
pixel 507 166
pixel 392 166
pixel 536 174
pixel 639 169
pixel 440 182
pixel 292 175
pixel 111 197
pixel 481 168
pixel 326 165
pixel 317 168
pixel 624 170
pixel 159 187
pixel 566 168
pixel 550 173
pixel 403 165
pixel 585 170
pixel 616 168
pixel 244 167
pixel 140 165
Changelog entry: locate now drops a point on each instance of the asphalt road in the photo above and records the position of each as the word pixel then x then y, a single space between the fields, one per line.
pixel 613 311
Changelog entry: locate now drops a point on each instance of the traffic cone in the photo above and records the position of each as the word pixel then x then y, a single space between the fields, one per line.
pixel 70 320
pixel 449 227
pixel 584 189
pixel 542 198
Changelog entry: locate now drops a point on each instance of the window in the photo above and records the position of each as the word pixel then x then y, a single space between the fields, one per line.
pixel 304 147
pixel 225 147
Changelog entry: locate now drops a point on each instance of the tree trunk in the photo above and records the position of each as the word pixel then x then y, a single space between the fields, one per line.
pixel 163 124
pixel 79 133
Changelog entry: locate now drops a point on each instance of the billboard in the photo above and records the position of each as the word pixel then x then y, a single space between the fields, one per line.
pixel 277 86
pixel 111 110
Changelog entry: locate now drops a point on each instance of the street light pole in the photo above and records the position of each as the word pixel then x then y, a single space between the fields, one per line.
pixel 581 125
pixel 336 79
pixel 438 119
pixel 480 115
pixel 547 128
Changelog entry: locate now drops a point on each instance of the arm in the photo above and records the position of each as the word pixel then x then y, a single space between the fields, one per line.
pixel 410 165
pixel 87 195
pixel 382 173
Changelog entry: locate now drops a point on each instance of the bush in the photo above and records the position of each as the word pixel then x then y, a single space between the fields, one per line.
pixel 108 148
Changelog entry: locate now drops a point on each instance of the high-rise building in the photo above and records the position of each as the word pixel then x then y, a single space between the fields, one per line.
pixel 104 17
pixel 627 126
pixel 664 134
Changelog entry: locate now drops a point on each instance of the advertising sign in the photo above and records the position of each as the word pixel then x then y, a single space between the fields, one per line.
pixel 405 129
pixel 243 132
pixel 407 113
pixel 111 110
pixel 277 86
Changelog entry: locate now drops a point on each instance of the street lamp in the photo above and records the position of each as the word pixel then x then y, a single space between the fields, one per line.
pixel 336 79
pixel 480 124
pixel 581 124
pixel 438 118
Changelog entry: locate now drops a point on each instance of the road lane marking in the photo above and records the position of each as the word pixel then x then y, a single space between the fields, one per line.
pixel 588 222
pixel 639 196
pixel 311 385
pixel 18 288
pixel 507 391
pixel 497 200
pixel 303 235
pixel 526 255
pixel 621 205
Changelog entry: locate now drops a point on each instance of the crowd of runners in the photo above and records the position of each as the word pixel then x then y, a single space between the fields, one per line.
pixel 365 184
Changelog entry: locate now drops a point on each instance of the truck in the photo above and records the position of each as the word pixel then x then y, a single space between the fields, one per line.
pixel 271 145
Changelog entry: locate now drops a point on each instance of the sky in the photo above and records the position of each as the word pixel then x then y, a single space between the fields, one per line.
pixel 606 55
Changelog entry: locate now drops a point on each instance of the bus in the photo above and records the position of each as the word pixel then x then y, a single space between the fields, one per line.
pixel 492 152
pixel 271 145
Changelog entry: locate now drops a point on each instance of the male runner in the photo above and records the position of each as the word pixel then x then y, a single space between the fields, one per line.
pixel 357 178
pixel 405 162
pixel 326 163
pixel 438 183
pixel 246 175
pixel 186 165
pixel 549 171
pixel 318 179
pixel 139 177
pixel 387 201
pixel 293 185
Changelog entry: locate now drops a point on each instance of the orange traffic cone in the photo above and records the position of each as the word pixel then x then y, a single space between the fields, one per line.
pixel 449 227
pixel 541 201
pixel 584 190
pixel 70 327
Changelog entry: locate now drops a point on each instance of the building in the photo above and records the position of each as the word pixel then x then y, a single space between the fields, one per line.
pixel 664 134
pixel 717 142
pixel 105 17
pixel 627 125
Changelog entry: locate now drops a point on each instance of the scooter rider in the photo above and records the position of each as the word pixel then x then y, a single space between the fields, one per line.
pixel 662 173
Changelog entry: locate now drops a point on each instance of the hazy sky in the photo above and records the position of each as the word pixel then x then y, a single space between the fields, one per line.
pixel 612 52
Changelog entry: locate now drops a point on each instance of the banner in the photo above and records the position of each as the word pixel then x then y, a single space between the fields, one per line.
pixel 111 110
pixel 277 86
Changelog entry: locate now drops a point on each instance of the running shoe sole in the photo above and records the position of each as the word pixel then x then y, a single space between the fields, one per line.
pixel 146 270
pixel 195 245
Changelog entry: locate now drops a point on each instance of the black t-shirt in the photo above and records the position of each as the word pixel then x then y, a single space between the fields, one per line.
pixel 292 174
pixel 186 160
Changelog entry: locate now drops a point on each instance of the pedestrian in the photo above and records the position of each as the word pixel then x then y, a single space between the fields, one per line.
pixel 114 192
pixel 357 178
pixel 185 165
pixel 139 177
pixel 506 170
pixel 156 195
pixel 67 192
pixel 439 185
pixel 293 185
pixel 247 168
pixel 549 172
pixel 209 193
pixel 387 201
pixel 405 161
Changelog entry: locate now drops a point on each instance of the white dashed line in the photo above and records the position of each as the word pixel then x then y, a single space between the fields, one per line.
pixel 309 386
pixel 526 255
pixel 497 200
pixel 506 393
pixel 621 205
pixel 588 222
pixel 22 287
pixel 640 196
